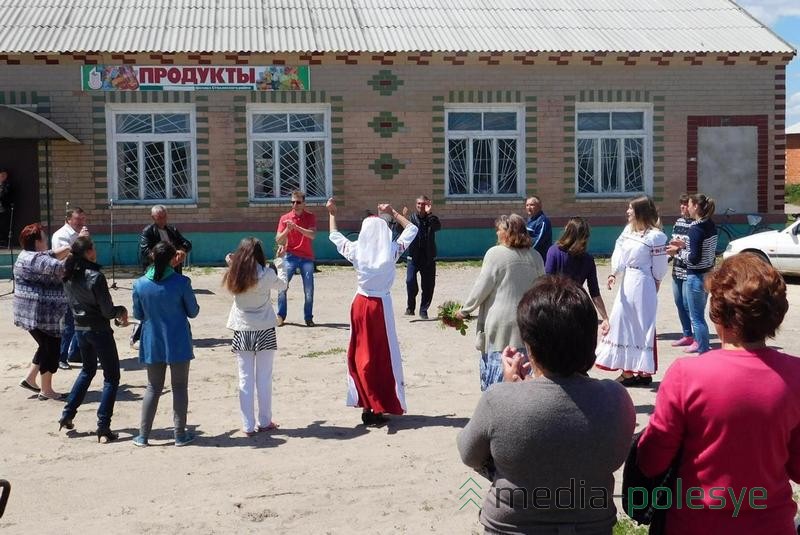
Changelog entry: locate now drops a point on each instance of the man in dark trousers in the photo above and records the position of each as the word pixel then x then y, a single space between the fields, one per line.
pixel 422 257
pixel 5 207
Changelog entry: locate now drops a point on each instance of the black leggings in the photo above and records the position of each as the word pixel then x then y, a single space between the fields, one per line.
pixel 47 354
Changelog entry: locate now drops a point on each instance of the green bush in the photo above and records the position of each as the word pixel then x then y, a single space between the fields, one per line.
pixel 792 194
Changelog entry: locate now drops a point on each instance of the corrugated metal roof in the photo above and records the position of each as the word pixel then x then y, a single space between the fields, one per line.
pixel 50 26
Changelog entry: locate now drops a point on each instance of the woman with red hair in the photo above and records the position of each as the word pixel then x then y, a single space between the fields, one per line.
pixel 39 305
pixel 734 413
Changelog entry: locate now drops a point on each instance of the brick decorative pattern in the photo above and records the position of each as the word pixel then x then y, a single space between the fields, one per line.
pixel 693 122
pixel 385 124
pixel 496 58
pixel 385 83
pixel 386 166
pixel 531 146
pixel 779 139
pixel 691 84
pixel 387 58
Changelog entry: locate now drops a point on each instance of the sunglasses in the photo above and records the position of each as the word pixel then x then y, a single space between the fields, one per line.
pixel 297 202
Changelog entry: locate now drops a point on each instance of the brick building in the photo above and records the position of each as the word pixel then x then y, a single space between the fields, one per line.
pixel 221 109
pixel 793 155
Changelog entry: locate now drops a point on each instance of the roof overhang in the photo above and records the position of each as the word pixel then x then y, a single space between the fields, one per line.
pixel 19 123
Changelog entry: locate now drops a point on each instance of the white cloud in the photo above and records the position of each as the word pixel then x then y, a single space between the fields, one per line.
pixel 793 110
pixel 769 11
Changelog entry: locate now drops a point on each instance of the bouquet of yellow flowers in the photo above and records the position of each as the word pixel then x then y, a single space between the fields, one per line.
pixel 448 318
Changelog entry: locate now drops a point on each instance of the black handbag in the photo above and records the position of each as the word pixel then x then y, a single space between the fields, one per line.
pixel 655 513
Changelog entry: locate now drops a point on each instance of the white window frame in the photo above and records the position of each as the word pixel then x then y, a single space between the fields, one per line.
pixel 647 148
pixel 325 136
pixel 112 137
pixel 518 134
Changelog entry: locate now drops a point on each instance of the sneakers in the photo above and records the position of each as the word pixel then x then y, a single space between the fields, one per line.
pixel 64 366
pixel 279 321
pixel 140 442
pixel 694 348
pixel 310 323
pixel 423 314
pixel 186 438
pixel 684 341
pixel 409 312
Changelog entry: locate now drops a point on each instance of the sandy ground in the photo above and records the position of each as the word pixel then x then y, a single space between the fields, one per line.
pixel 319 473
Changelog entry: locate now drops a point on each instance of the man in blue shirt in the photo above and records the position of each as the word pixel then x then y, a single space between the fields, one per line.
pixel 538 225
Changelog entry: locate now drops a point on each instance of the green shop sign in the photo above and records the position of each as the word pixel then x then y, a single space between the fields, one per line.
pixel 176 78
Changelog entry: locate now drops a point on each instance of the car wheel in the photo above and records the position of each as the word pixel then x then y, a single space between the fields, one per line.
pixel 759 254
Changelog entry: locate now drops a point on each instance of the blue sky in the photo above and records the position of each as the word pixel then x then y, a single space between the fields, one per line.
pixel 783 17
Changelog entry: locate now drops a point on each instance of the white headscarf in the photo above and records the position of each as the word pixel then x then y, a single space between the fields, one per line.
pixel 374 250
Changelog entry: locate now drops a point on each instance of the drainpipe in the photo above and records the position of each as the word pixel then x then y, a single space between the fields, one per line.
pixel 47 185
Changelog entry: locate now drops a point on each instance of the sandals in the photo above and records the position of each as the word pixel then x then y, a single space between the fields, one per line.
pixel 272 426
pixel 58 397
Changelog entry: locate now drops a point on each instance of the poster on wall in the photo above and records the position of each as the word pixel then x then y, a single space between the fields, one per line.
pixel 192 78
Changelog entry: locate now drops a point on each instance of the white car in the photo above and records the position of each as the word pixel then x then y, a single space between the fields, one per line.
pixel 781 248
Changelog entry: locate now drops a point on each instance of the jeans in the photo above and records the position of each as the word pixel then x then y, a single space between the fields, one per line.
pixel 491 367
pixel 96 345
pixel 427 275
pixel 69 342
pixel 179 377
pixel 255 375
pixel 682 306
pixel 290 264
pixel 695 295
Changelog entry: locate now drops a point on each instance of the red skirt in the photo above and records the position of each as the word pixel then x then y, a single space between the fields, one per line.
pixel 369 360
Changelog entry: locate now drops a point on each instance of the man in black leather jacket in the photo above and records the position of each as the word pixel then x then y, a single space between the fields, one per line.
pixel 161 231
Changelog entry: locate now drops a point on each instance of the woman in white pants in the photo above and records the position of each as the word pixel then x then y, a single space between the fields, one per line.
pixel 252 320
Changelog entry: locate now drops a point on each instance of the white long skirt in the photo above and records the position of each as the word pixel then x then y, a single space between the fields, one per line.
pixel 631 339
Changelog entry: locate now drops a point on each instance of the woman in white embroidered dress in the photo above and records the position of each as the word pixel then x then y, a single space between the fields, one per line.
pixel 639 254
pixel 375 369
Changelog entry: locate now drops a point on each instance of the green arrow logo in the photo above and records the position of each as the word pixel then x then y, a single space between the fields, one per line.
pixel 470 495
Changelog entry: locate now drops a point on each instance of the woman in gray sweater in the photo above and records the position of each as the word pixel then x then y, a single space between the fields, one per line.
pixel 508 270
pixel 549 436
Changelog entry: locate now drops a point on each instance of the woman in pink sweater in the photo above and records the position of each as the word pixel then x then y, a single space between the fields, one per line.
pixel 735 412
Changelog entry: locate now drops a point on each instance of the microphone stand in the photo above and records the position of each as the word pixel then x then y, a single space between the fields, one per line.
pixel 11 252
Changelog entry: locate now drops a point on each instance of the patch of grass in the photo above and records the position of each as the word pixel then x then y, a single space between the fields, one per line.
pixel 458 264
pixel 791 194
pixel 331 351
pixel 200 270
pixel 626 526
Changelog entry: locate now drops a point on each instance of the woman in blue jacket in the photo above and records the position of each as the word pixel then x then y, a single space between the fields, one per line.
pixel 163 301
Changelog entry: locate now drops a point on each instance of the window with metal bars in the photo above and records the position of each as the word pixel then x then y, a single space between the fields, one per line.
pixel 484 156
pixel 289 149
pixel 152 154
pixel 612 152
